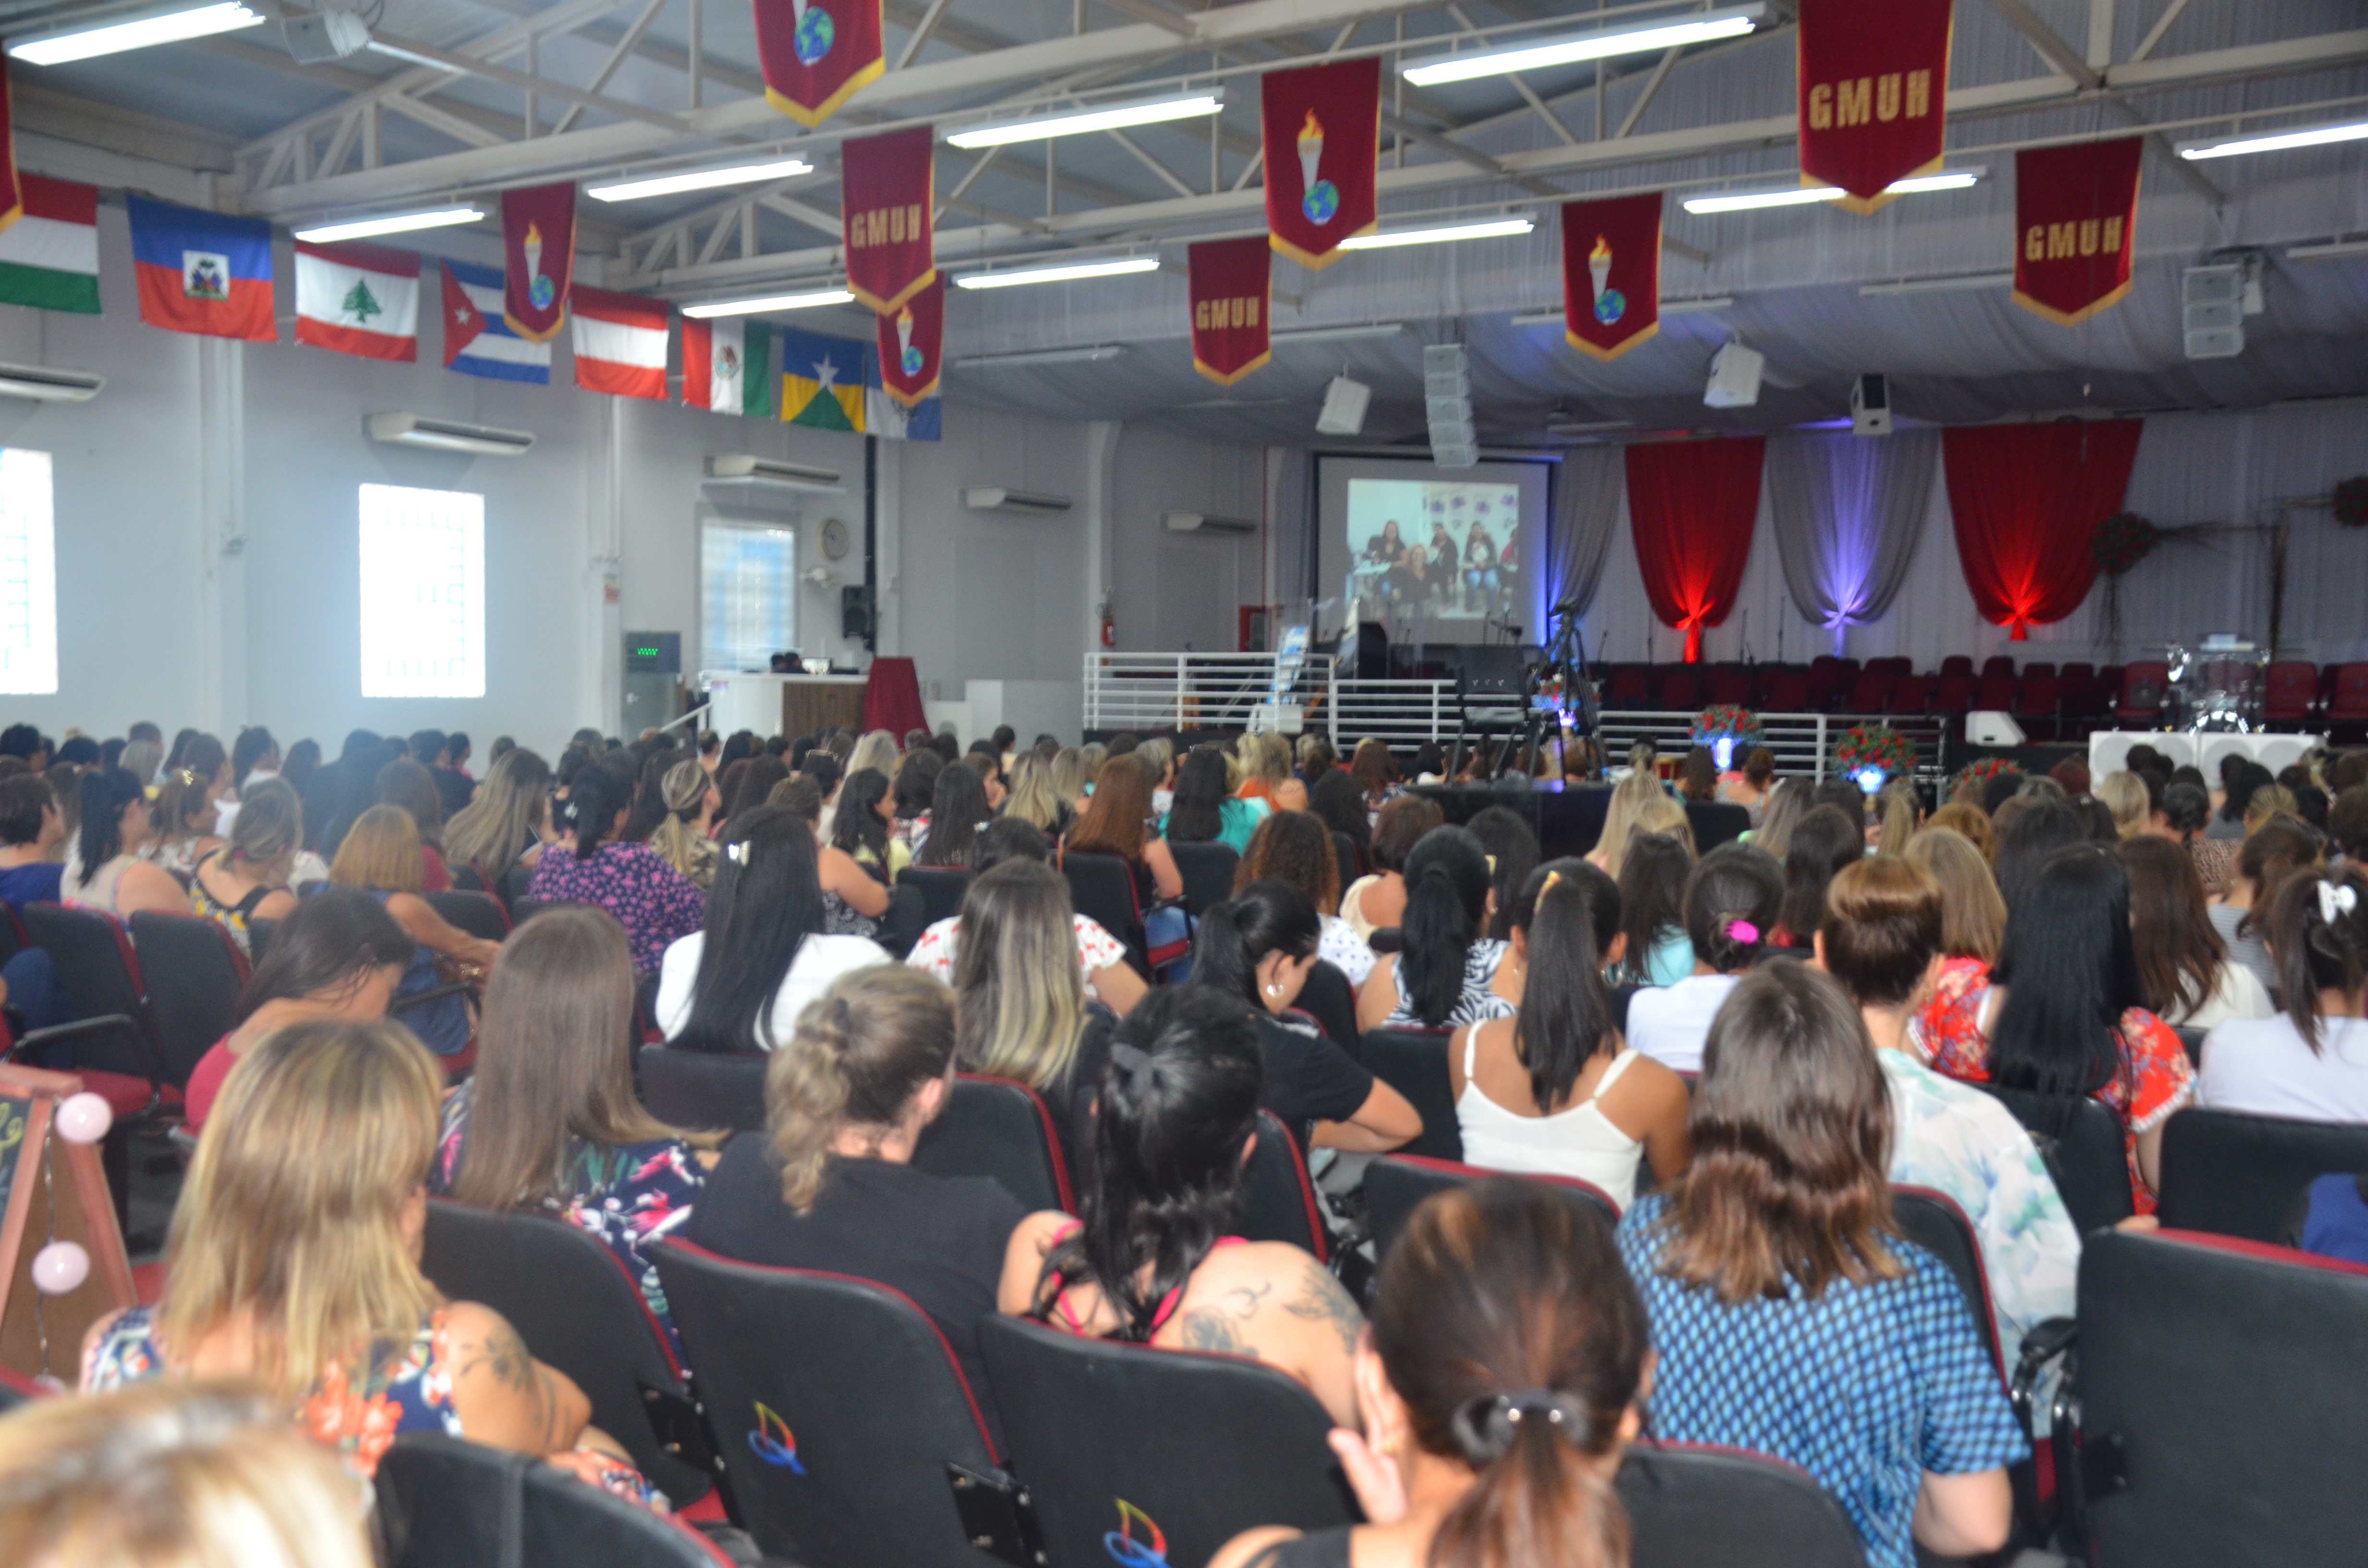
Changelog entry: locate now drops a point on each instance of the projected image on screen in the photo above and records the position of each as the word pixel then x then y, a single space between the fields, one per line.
pixel 1435 550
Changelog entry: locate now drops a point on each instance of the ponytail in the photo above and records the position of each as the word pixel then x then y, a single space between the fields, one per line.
pixel 1731 900
pixel 593 802
pixel 1267 917
pixel 1566 1016
pixel 105 792
pixel 1219 960
pixel 2318 934
pixel 1537 1498
pixel 805 1098
pixel 1447 879
pixel 863 1050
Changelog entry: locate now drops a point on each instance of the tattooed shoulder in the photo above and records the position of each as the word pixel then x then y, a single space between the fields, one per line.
pixel 1208 1328
pixel 1322 1299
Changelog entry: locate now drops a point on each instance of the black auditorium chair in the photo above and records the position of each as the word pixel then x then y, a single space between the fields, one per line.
pixel 259 938
pixel 2217 1416
pixel 1414 1062
pixel 1933 1222
pixel 1396 1184
pixel 1330 1002
pixel 709 1090
pixel 1139 1456
pixel 194 973
pixel 877 1457
pixel 2191 1042
pixel 2243 1175
pixel 996 1127
pixel 577 1307
pixel 480 914
pixel 468 876
pixel 1692 1505
pixel 2086 1150
pixel 1716 823
pixel 1103 889
pixel 447 1502
pixel 515 883
pixel 523 909
pixel 907 917
pixel 1208 872
pixel 1278 1201
pixel 941 889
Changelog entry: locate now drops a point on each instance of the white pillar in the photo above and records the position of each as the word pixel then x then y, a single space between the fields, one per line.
pixel 221 537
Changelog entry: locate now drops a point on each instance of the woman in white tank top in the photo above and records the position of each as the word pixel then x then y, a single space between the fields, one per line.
pixel 1551 1091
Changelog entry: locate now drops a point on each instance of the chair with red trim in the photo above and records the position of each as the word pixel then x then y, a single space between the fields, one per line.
pixel 469 877
pixel 1953 693
pixel 2290 693
pixel 709 1089
pixel 2347 696
pixel 2041 701
pixel 448 1503
pixel 1277 1201
pixel 2213 1415
pixel 1693 1504
pixel 1414 1062
pixel 579 1309
pixel 1998 664
pixel 2145 683
pixel 1910 694
pixel 1730 686
pixel 1932 1220
pixel 1997 693
pixel 1140 1456
pixel 1102 888
pixel 1208 872
pixel 480 914
pixel 847 1430
pixel 941 889
pixel 1788 691
pixel 1330 1001
pixel 2082 1141
pixel 1869 692
pixel 996 1127
pixel 1396 1184
pixel 1681 690
pixel 194 973
pixel 2242 1176
pixel 1894 667
pixel 1957 665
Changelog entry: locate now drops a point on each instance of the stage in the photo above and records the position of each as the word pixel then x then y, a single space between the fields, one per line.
pixel 1568 818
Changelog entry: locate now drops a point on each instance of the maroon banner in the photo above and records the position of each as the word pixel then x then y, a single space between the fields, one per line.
pixel 886 185
pixel 1322 137
pixel 2075 212
pixel 1691 508
pixel 1232 292
pixel 912 345
pixel 12 189
pixel 2025 500
pixel 1874 83
pixel 538 258
pixel 817 53
pixel 1612 273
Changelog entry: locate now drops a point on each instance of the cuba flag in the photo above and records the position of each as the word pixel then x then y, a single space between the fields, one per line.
pixel 202 272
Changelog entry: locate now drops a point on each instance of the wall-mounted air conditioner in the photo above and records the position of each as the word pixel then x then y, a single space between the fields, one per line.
pixel 774 471
pixel 995 498
pixel 1203 523
pixel 446 435
pixel 48 383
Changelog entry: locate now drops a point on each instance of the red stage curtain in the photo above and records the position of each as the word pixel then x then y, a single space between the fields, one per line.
pixel 1690 509
pixel 892 698
pixel 2026 498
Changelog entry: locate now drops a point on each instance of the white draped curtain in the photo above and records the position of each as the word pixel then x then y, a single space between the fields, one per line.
pixel 1588 492
pixel 1848 513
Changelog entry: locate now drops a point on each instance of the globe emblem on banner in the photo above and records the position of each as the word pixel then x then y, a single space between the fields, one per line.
pixel 1322 200
pixel 1612 306
pixel 912 359
pixel 541 291
pixel 812 38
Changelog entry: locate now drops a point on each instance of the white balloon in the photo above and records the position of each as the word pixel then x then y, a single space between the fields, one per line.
pixel 59 1269
pixel 85 1118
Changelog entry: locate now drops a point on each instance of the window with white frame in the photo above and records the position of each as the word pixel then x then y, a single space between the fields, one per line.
pixel 29 575
pixel 748 594
pixel 423 592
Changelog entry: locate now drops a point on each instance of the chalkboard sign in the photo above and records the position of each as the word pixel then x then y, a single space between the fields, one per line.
pixel 51 1190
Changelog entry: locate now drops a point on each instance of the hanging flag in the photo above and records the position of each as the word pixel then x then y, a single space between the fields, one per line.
pixel 822 381
pixel 1612 273
pixel 538 256
pixel 886 185
pixel 1875 83
pixel 817 54
pixel 1231 287
pixel 202 272
pixel 477 342
pixel 2075 212
pixel 1323 138
pixel 886 418
pixel 621 342
pixel 12 184
pixel 49 257
pixel 727 367
pixel 911 345
pixel 358 299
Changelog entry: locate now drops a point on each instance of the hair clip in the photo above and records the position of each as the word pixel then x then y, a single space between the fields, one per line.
pixel 738 853
pixel 1492 865
pixel 2335 898
pixel 1553 878
pixel 1742 931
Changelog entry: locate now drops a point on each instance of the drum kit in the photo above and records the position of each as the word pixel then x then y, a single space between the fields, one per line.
pixel 2217 687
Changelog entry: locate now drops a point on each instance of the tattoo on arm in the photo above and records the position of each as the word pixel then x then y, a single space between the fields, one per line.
pixel 504 1354
pixel 1207 1328
pixel 1321 1299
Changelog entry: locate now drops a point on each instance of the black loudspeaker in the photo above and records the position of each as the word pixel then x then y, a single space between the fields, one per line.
pixel 1372 650
pixel 1492 670
pixel 854 613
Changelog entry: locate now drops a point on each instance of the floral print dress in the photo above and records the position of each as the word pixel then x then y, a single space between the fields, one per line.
pixel 655 902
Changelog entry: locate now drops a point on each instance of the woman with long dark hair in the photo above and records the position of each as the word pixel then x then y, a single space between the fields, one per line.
pixel 1732 897
pixel 1377 900
pixel 1338 800
pixel 1204 810
pixel 655 903
pixel 739 984
pixel 1150 1261
pixel 2240 914
pixel 2185 976
pixel 1446 971
pixel 1503 1378
pixel 1653 911
pixel 108 874
pixel 1773 1272
pixel 958 813
pixel 1512 845
pixel 1825 840
pixel 2311 1061
pixel 1117 821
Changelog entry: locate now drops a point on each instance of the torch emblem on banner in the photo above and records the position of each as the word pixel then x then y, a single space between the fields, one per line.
pixel 538 287
pixel 1611 304
pixel 1322 198
pixel 910 358
pixel 810 38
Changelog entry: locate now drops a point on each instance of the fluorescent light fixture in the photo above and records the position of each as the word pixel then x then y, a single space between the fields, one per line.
pixel 1938 285
pixel 2309 136
pixel 698 179
pixel 1043 357
pixel 768 304
pixel 114 38
pixel 1600 45
pixel 2327 252
pixel 1338 334
pixel 1668 308
pixel 1067 273
pixel 401 223
pixel 1488 229
pixel 396 52
pixel 1116 118
pixel 1798 196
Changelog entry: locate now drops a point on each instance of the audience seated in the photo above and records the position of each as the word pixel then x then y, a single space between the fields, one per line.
pixel 1445 970
pixel 2263 861
pixel 830 1184
pixel 1651 947
pixel 1266 771
pixel 913 786
pixel 1825 840
pixel 2311 1061
pixel 1512 845
pixel 1296 848
pixel 1551 1089
pixel 508 823
pixel 1899 812
pixel 1787 802
pixel 766 951
pixel 1116 821
pixel 1882 942
pixel 381 855
pixel 1033 800
pixel 1505 1373
pixel 1731 901
pixel 1774 1279
pixel 549 1120
pixel 31 825
pixel 1338 800
pixel 407 784
pixel 684 837
pixel 106 872
pixel 1101 958
pixel 247 879
pixel 1749 786
pixel 1973 915
pixel 958 810
pixel 2185 976
pixel 1377 901
pixel 1149 1260
pixel 748 788
pixel 655 902
pixel 185 818
pixel 1628 798
pixel 1202 810
pixel 864 857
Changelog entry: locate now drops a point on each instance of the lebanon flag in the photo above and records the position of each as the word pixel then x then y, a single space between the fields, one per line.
pixel 201 271
pixel 621 342
pixel 727 367
pixel 359 299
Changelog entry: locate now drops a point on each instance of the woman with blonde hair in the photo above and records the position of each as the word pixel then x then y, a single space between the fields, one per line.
pixel 1970 822
pixel 1070 778
pixel 381 855
pixel 876 750
pixel 1629 797
pixel 681 836
pixel 184 815
pixel 1266 772
pixel 508 823
pixel 1972 913
pixel 2124 795
pixel 247 879
pixel 1033 800
pixel 1787 804
pixel 300 1272
pixel 1900 814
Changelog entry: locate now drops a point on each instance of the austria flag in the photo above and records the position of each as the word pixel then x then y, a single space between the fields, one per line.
pixel 620 342
pixel 359 299
pixel 202 272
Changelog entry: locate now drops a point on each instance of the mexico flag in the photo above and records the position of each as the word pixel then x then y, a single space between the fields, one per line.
pixel 727 367
pixel 358 299
pixel 620 342
pixel 49 256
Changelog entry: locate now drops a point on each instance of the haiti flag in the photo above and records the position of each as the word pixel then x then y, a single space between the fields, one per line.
pixel 202 272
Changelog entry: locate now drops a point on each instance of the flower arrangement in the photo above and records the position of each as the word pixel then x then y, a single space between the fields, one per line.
pixel 1981 770
pixel 2351 502
pixel 1876 748
pixel 1727 728
pixel 2121 542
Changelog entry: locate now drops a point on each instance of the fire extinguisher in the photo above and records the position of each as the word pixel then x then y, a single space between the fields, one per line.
pixel 1109 627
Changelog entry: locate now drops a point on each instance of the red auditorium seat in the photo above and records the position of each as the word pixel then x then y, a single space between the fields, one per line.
pixel 1630 688
pixel 1953 692
pixel 1998 664
pixel 1894 667
pixel 2347 699
pixel 2291 694
pixel 1869 693
pixel 1681 690
pixel 2081 670
pixel 1731 686
pixel 1995 691
pixel 2037 669
pixel 2143 682
pixel 2042 701
pixel 1787 692
pixel 1912 694
pixel 1957 664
